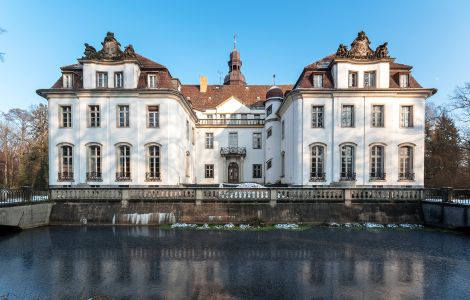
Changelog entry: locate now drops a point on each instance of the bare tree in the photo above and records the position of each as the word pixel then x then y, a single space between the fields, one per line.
pixel 461 101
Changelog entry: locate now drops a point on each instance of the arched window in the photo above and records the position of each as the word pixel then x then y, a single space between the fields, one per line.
pixel 123 163
pixel 406 171
pixel 317 169
pixel 94 163
pixel 153 163
pixel 377 170
pixel 65 163
pixel 348 172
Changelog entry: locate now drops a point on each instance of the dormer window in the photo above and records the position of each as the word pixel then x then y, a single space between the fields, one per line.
pixel 369 79
pixel 152 81
pixel 352 79
pixel 118 80
pixel 269 110
pixel 67 81
pixel 404 80
pixel 101 79
pixel 317 80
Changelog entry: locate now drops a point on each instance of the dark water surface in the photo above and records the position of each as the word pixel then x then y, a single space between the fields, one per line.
pixel 152 263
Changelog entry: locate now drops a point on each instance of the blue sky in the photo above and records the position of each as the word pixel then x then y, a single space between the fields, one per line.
pixel 194 38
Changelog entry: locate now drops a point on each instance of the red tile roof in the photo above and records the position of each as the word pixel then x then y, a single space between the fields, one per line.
pixel 250 95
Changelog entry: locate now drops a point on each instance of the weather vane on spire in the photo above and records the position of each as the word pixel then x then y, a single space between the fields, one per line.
pixel 235 41
pixel 274 79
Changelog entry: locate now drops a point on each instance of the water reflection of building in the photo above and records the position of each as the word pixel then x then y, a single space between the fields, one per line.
pixel 182 266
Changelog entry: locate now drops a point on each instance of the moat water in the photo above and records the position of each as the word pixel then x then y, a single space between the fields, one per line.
pixel 151 263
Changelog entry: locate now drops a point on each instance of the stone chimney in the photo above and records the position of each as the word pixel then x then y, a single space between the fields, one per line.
pixel 203 84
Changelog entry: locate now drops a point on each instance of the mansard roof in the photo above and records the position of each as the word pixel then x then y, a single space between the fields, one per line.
pixel 360 52
pixel 250 95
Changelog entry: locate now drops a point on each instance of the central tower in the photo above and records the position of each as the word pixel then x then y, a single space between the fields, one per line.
pixel 234 76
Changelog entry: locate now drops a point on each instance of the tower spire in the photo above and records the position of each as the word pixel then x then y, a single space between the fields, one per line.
pixel 234 76
pixel 235 41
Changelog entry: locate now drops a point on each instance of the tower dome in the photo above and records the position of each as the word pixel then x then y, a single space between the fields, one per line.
pixel 274 92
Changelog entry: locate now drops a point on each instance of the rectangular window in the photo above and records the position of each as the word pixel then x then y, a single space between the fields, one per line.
pixel 233 139
pixel 283 129
pixel 269 164
pixel 123 117
pixel 152 81
pixel 209 140
pixel 257 116
pixel 317 80
pixel 94 163
pixel 377 116
pixel 317 117
pixel 269 110
pixel 94 115
pixel 347 116
pixel 153 116
pixel 257 170
pixel 269 132
pixel 256 140
pixel 369 79
pixel 209 171
pixel 244 116
pixel 66 116
pixel 406 118
pixel 101 79
pixel 404 80
pixel 352 79
pixel 67 81
pixel 118 80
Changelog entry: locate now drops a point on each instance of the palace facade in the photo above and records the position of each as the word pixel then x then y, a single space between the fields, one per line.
pixel 355 117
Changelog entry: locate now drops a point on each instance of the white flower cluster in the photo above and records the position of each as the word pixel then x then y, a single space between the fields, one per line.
pixel 287 226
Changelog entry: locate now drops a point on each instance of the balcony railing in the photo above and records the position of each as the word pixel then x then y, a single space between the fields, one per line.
pixel 65 176
pixel 406 176
pixel 316 176
pixel 152 176
pixel 377 176
pixel 348 176
pixel 123 176
pixel 231 122
pixel 233 151
pixel 94 176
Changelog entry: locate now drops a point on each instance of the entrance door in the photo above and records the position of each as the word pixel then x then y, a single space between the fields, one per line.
pixel 233 172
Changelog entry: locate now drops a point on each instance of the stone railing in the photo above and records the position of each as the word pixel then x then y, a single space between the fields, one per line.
pixel 448 195
pixel 21 196
pixel 237 195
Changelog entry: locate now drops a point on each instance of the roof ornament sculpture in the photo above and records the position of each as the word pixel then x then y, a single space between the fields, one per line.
pixel 360 49
pixel 111 50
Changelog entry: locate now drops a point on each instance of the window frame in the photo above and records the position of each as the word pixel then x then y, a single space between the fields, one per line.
pixel 404 75
pixel 257 136
pixel 232 133
pixel 121 81
pixel 315 83
pixel 96 117
pixel 65 173
pixel 402 125
pixel 124 171
pixel 209 171
pixel 317 116
pixel 62 121
pixel 368 74
pixel 94 171
pixel 156 116
pixel 105 81
pixel 153 159
pixel 255 169
pixel 155 82
pixel 128 119
pixel 269 110
pixel 373 158
pixel 353 83
pixel 209 140
pixel 406 174
pixel 353 121
pixel 347 173
pixel 269 132
pixel 372 116
pixel 317 174
pixel 269 164
pixel 67 83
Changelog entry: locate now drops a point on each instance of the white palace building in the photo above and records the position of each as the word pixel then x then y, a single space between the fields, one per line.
pixel 353 118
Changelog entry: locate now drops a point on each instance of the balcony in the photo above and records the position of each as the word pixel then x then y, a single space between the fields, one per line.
pixel 377 176
pixel 347 176
pixel 233 151
pixel 406 176
pixel 123 176
pixel 152 176
pixel 231 123
pixel 94 176
pixel 65 176
pixel 317 176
